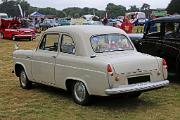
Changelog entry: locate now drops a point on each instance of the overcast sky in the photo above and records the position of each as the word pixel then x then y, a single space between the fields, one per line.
pixel 99 4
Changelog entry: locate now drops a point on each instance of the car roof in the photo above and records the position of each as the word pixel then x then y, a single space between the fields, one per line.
pixel 86 29
pixel 82 33
pixel 171 18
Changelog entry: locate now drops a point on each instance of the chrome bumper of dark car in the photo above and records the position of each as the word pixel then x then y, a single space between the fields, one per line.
pixel 137 87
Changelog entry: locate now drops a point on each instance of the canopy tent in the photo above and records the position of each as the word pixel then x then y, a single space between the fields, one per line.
pixel 36 14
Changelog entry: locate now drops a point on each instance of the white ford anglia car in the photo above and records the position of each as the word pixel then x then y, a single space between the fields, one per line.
pixel 89 60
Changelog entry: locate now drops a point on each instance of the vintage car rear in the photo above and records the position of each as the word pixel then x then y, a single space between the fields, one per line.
pixel 128 70
pixel 134 72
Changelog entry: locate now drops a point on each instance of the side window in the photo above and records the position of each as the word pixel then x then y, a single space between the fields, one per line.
pixel 67 45
pixel 50 42
pixel 154 31
pixel 171 30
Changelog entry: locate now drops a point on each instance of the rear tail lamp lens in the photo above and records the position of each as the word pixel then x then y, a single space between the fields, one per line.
pixel 109 69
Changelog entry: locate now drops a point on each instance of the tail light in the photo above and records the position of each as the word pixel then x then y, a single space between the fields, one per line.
pixel 109 69
pixel 164 63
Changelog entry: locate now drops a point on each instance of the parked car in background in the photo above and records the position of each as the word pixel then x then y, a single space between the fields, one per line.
pixel 3 16
pixel 89 60
pixel 135 38
pixel 63 21
pixel 164 42
pixel 12 29
pixel 137 18
pixel 48 23
pixel 92 23
pixel 27 23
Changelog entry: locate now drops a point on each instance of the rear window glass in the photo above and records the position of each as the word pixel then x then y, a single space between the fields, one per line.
pixel 110 43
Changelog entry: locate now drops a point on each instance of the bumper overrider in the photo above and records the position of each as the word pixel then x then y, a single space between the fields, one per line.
pixel 137 87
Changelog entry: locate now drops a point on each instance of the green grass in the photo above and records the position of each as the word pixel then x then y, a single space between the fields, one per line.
pixel 47 103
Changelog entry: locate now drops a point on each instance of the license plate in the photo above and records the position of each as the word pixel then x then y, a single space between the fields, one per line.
pixel 139 79
pixel 141 84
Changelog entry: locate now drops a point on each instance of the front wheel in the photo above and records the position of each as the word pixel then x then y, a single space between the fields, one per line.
pixel 80 93
pixel 24 82
pixel 13 38
pixel 1 35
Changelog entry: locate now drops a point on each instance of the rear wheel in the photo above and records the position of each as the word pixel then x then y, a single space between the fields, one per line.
pixel 24 81
pixel 80 93
pixel 13 37
pixel 30 39
pixel 1 35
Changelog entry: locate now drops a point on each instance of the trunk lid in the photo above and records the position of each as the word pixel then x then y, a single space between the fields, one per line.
pixel 130 62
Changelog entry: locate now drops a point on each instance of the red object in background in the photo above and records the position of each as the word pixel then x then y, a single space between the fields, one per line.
pixel 10 28
pixel 127 26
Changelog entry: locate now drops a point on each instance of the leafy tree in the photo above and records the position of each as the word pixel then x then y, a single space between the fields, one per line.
pixel 73 12
pixel 25 6
pixel 145 7
pixel 10 7
pixel 115 10
pixel 133 8
pixel 174 7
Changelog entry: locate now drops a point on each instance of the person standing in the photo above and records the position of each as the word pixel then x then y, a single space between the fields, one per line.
pixel 127 26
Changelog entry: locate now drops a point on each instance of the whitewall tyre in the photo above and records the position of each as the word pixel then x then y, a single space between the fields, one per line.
pixel 80 93
pixel 24 82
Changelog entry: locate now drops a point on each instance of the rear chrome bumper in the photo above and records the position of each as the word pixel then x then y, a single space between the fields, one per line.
pixel 137 87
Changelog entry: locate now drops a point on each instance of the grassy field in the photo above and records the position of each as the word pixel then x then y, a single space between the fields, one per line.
pixel 47 103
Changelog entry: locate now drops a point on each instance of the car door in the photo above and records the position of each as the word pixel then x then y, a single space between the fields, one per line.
pixel 152 40
pixel 170 51
pixel 44 59
pixel 66 60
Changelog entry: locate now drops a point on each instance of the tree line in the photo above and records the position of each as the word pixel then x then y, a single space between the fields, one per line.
pixel 10 7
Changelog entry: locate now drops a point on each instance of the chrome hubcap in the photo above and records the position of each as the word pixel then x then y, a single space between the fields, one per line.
pixel 23 79
pixel 80 91
pixel 13 38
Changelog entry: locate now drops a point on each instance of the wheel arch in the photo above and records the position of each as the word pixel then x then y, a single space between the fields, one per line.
pixel 69 81
pixel 18 67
